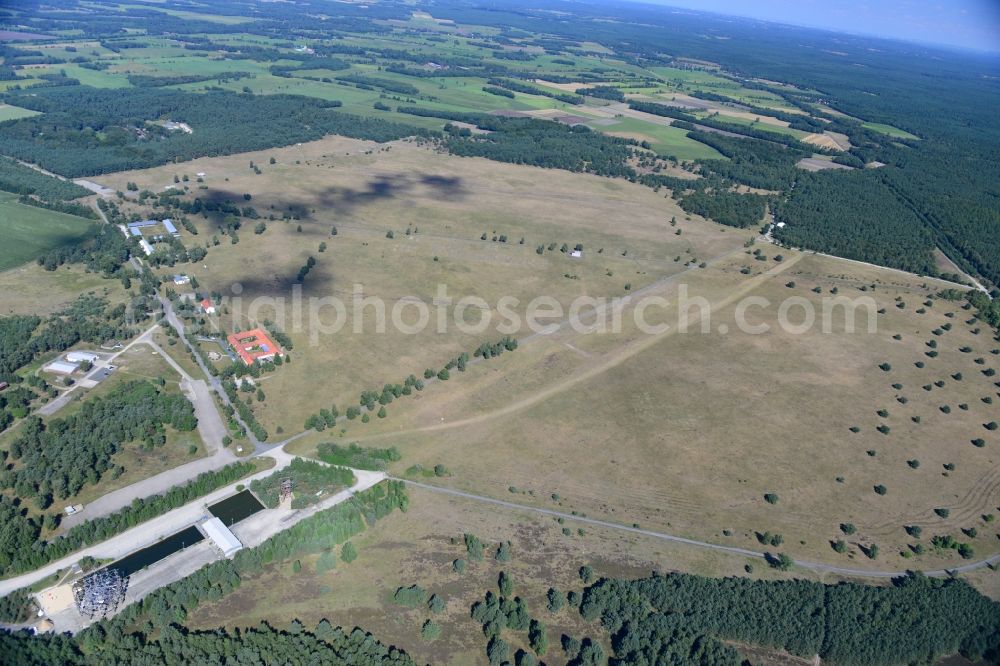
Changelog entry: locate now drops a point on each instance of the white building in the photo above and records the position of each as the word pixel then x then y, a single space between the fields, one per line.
pixel 576 254
pixel 146 247
pixel 81 356
pixel 221 536
pixel 61 367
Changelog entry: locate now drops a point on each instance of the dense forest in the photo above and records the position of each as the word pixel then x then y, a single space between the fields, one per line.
pixel 55 459
pixel 87 131
pixel 263 644
pixel 17 178
pixel 680 618
pixel 856 220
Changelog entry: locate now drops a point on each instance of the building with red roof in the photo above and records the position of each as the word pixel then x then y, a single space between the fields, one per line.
pixel 207 306
pixel 254 345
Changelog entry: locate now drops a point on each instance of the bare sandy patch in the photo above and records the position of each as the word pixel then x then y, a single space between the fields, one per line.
pixel 571 87
pixel 818 163
pixel 822 140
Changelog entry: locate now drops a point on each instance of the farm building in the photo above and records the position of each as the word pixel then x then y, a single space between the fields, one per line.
pixel 181 279
pixel 207 306
pixel 81 356
pixel 221 536
pixel 168 224
pixel 254 345
pixel 576 254
pixel 146 247
pixel 61 367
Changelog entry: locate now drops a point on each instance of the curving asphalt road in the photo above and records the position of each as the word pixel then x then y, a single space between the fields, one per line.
pixel 734 550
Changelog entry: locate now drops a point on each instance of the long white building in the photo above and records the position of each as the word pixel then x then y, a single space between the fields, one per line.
pixel 220 534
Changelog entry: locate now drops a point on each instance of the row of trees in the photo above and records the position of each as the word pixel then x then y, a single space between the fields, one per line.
pixel 19 179
pixel 358 457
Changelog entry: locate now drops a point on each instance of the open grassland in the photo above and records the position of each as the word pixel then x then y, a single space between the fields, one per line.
pixel 27 232
pixel 890 130
pixel 686 433
pixel 418 547
pixel 30 289
pixel 447 203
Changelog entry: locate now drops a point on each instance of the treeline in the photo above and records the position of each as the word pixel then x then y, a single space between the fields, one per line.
pixel 374 82
pixel 548 144
pixel 96 530
pixel 527 88
pixel 916 619
pixel 293 644
pixel 311 482
pixel 986 309
pixel 67 207
pixel 603 92
pixel 358 457
pixel 151 81
pixel 20 179
pixel 87 131
pixel 243 409
pixel 851 214
pixel 333 64
pixel 730 208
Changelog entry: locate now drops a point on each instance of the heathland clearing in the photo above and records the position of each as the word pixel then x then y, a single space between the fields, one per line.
pixel 690 433
pixel 366 192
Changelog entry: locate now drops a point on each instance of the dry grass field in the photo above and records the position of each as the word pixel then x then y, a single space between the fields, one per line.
pixel 417 548
pixel 30 289
pixel 678 432
pixel 447 203
pixel 686 433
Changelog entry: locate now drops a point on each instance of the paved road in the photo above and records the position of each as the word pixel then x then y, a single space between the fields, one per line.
pixel 171 318
pixel 745 552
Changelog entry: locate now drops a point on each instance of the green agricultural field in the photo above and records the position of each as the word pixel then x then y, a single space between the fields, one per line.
pixel 666 140
pixel 8 112
pixel 890 130
pixel 27 232
pixel 90 77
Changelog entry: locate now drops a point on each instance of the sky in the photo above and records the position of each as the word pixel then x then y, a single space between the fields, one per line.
pixel 968 24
